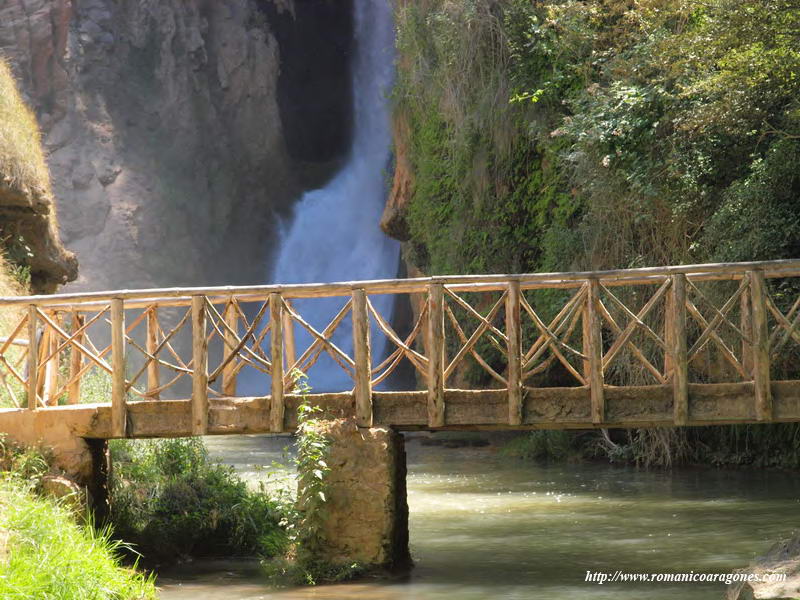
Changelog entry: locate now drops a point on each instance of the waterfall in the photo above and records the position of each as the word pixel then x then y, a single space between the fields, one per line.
pixel 334 233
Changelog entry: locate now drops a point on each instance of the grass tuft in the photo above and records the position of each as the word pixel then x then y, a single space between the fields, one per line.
pixel 22 163
pixel 47 555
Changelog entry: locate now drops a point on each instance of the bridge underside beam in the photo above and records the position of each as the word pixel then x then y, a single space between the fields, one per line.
pixel 543 408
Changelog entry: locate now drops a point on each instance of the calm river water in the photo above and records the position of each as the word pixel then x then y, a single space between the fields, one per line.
pixel 483 527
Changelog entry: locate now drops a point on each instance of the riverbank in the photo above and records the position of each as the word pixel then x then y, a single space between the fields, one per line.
pixel 173 503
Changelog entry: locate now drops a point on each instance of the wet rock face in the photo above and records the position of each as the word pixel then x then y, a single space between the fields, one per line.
pixel 393 220
pixel 166 138
pixel 315 84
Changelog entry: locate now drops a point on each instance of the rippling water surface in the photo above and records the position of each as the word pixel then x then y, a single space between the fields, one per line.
pixel 483 527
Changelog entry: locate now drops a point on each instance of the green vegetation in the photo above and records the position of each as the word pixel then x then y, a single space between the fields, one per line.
pixel 170 501
pixel 771 446
pixel 22 171
pixel 594 134
pixel 312 470
pixel 28 464
pixel 776 446
pixel 541 445
pixel 571 135
pixel 31 253
pixel 47 555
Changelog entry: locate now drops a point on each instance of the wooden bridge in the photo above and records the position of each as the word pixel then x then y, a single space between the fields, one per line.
pixel 682 345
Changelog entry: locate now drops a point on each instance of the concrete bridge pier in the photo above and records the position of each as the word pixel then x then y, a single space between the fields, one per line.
pixel 367 511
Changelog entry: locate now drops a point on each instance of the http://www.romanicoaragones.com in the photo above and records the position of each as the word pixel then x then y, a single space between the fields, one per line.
pixel 603 577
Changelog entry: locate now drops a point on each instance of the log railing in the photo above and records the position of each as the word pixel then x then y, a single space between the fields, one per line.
pixel 672 326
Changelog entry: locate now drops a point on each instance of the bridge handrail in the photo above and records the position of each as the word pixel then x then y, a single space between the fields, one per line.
pixel 661 333
pixel 615 277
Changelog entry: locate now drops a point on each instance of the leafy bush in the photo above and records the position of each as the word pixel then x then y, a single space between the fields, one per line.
pixel 170 501
pixel 759 217
pixel 29 464
pixel 646 131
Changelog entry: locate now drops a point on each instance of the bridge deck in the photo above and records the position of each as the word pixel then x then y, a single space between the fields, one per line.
pixel 551 408
pixel 687 345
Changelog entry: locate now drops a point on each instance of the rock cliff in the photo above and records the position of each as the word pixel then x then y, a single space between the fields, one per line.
pixel 167 125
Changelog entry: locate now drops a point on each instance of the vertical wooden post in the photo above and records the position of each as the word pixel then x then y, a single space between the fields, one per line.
pixel 678 349
pixel 596 380
pixel 436 417
pixel 53 367
pixel 761 366
pixel 75 362
pixel 230 343
pixel 33 358
pixel 41 376
pixel 363 360
pixel 119 410
pixel 669 331
pixel 200 367
pixel 290 353
pixel 276 335
pixel 587 343
pixel 514 348
pixel 746 322
pixel 153 372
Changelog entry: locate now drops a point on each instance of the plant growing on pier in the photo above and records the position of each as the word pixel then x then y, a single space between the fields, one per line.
pixel 305 520
pixel 312 469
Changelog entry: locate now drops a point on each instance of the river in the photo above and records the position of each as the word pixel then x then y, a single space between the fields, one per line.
pixel 487 527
